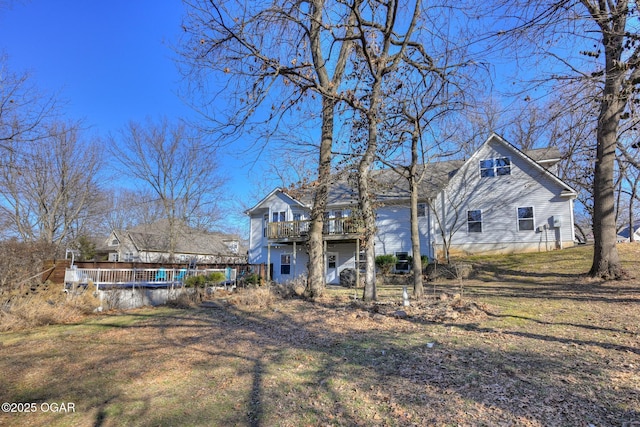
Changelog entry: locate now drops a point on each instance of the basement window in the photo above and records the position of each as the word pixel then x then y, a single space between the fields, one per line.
pixel 403 261
pixel 285 264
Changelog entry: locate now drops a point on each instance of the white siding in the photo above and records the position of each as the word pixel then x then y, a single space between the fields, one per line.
pixel 256 237
pixel 298 265
pixel 498 198
pixel 394 230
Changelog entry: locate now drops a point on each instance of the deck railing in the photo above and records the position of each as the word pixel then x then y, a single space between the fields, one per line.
pixel 297 229
pixel 121 276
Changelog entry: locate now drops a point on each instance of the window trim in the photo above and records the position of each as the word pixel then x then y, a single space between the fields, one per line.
pixel 265 224
pixel 480 221
pixel 278 216
pixel 527 219
pixel 497 167
pixel 335 261
pixel 285 264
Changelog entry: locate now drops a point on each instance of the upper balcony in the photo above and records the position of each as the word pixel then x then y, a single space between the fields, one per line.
pixel 334 229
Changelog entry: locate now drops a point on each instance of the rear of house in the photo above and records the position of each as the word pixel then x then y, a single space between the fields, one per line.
pixel 500 200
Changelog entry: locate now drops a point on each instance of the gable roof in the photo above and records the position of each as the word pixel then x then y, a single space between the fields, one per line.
pixel 626 232
pixel 390 185
pixel 154 238
pixel 268 196
pixel 529 156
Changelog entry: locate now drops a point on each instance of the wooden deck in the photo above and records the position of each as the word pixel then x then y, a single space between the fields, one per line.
pixel 334 229
pixel 131 277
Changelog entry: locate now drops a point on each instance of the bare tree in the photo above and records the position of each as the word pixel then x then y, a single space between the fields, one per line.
pixel 606 38
pixel 271 58
pixel 50 186
pixel 389 52
pixel 124 208
pixel 174 164
pixel 23 108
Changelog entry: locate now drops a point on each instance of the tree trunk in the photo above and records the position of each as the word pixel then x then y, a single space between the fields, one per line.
pixel 632 198
pixel 606 262
pixel 316 267
pixel 418 287
pixel 366 207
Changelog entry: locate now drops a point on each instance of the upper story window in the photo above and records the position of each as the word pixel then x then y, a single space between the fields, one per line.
pixel 495 167
pixel 265 224
pixel 279 216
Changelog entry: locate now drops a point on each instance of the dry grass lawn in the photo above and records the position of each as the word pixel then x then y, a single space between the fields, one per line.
pixel 531 342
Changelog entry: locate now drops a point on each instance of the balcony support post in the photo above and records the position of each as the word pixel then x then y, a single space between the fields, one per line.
pixel 295 260
pixel 268 262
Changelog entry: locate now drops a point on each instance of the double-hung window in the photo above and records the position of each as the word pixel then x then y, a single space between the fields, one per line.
pixel 474 221
pixel 495 167
pixel 525 218
pixel 285 264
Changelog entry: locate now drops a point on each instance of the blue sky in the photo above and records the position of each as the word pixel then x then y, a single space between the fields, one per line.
pixel 111 62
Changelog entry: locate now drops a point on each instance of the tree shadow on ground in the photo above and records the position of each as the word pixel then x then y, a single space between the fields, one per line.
pixel 493 384
pixel 336 365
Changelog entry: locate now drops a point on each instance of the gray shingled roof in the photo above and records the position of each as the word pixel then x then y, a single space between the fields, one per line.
pixel 154 238
pixel 389 185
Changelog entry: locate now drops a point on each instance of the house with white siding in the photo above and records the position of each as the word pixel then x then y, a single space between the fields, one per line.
pixel 500 200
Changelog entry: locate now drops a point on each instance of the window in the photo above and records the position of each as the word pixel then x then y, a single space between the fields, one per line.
pixel 279 216
pixel 114 242
pixel 422 209
pixel 285 264
pixel 332 260
pixel 265 224
pixel 486 168
pixel 233 246
pixel 503 166
pixel 403 261
pixel 525 218
pixel 495 167
pixel 297 216
pixel 474 221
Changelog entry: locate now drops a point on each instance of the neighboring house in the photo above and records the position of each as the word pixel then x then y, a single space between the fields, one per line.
pixel 500 200
pixel 150 243
pixel 625 234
